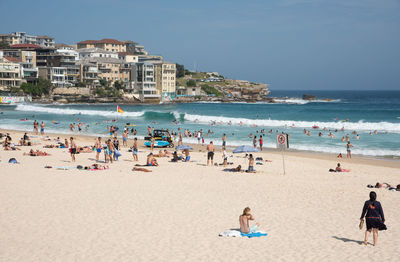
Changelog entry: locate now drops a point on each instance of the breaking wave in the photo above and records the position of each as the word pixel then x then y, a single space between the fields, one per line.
pixel 360 125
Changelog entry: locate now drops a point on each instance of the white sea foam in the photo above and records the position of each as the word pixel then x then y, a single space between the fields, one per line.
pixel 360 125
pixel 69 111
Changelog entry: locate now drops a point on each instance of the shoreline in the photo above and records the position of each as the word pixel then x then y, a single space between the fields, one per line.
pixel 359 159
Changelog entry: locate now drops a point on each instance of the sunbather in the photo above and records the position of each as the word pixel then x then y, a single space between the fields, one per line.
pixel 244 219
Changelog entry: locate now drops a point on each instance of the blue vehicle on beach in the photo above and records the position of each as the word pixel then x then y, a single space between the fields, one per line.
pixel 162 138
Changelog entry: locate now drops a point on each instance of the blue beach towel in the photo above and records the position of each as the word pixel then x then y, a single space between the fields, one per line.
pixel 256 234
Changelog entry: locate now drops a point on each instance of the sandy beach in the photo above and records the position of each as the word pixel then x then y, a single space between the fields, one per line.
pixel 176 212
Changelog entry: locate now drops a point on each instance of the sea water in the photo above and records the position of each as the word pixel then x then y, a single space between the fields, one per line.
pixel 360 111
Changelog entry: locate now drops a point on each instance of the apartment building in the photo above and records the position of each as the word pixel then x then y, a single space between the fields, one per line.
pixel 107 44
pixel 58 76
pixel 45 41
pixel 96 52
pixel 89 72
pixel 135 48
pixel 27 60
pixel 22 38
pixel 128 57
pixel 143 81
pixel 10 74
pixel 110 69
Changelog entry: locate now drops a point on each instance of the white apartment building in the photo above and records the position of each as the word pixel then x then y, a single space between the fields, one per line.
pixel 96 52
pixel 143 81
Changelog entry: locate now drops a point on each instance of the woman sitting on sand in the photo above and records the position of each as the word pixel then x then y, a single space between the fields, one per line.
pixel 187 155
pixel 151 161
pixel 244 219
pixel 375 218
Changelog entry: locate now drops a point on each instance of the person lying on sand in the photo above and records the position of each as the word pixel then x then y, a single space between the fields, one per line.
pixel 85 149
pixel 36 153
pixel 51 146
pixel 162 153
pixel 236 169
pixel 244 219
pixel 141 169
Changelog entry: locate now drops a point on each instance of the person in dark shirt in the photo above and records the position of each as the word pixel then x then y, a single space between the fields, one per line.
pixel 375 218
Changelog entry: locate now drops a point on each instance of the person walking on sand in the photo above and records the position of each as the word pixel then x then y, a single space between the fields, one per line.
pixel 135 149
pixel 125 138
pixel 98 146
pixel 180 138
pixel 348 149
pixel 73 148
pixel 244 219
pixel 261 142
pixel 375 218
pixel 210 154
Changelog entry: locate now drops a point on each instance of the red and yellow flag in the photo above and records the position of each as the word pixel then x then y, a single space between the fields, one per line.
pixel 119 110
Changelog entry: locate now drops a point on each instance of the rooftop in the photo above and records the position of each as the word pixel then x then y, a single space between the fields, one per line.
pixel 102 41
pixel 93 50
pixel 44 37
pixel 13 59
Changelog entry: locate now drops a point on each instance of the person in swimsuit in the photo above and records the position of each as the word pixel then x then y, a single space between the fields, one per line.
pixel 348 148
pixel 255 142
pixel 73 148
pixel 244 219
pixel 375 218
pixel 210 154
pixel 125 138
pixel 97 145
pixel 135 149
pixel 42 128
pixel 224 140
pixel 261 142
pixel 251 164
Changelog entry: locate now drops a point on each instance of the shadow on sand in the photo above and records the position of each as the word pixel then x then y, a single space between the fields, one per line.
pixel 347 240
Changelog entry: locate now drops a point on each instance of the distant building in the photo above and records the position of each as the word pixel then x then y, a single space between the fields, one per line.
pixel 108 44
pixel 135 48
pixel 128 57
pixel 143 81
pixel 27 60
pixel 45 41
pixel 58 76
pixel 96 52
pixel 110 69
pixel 10 74
pixel 22 38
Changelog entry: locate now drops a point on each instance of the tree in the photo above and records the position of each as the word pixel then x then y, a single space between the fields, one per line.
pixel 180 70
pixel 210 90
pixel 4 45
pixel 103 82
pixel 118 85
pixel 81 84
pixel 43 87
pixel 191 83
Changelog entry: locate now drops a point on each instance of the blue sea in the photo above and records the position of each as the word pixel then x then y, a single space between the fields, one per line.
pixel 361 111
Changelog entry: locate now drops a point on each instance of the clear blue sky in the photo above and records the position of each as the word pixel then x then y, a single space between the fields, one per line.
pixel 290 44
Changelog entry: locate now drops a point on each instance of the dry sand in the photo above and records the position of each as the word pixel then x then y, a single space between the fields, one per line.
pixel 176 212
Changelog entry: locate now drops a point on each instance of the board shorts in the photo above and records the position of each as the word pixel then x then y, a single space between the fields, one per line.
pixel 42 130
pixel 187 159
pixel 251 169
pixel 223 143
pixel 210 155
pixel 98 150
pixel 73 151
pixel 124 138
pixel 134 151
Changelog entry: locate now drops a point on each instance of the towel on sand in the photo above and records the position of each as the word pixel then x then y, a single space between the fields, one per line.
pixel 237 233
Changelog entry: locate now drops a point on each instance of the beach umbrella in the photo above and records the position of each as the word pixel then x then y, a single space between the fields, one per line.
pixel 245 149
pixel 183 147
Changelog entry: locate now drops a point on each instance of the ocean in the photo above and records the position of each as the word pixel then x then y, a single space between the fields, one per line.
pixel 360 111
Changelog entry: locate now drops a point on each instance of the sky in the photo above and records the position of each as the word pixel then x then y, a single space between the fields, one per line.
pixel 289 44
